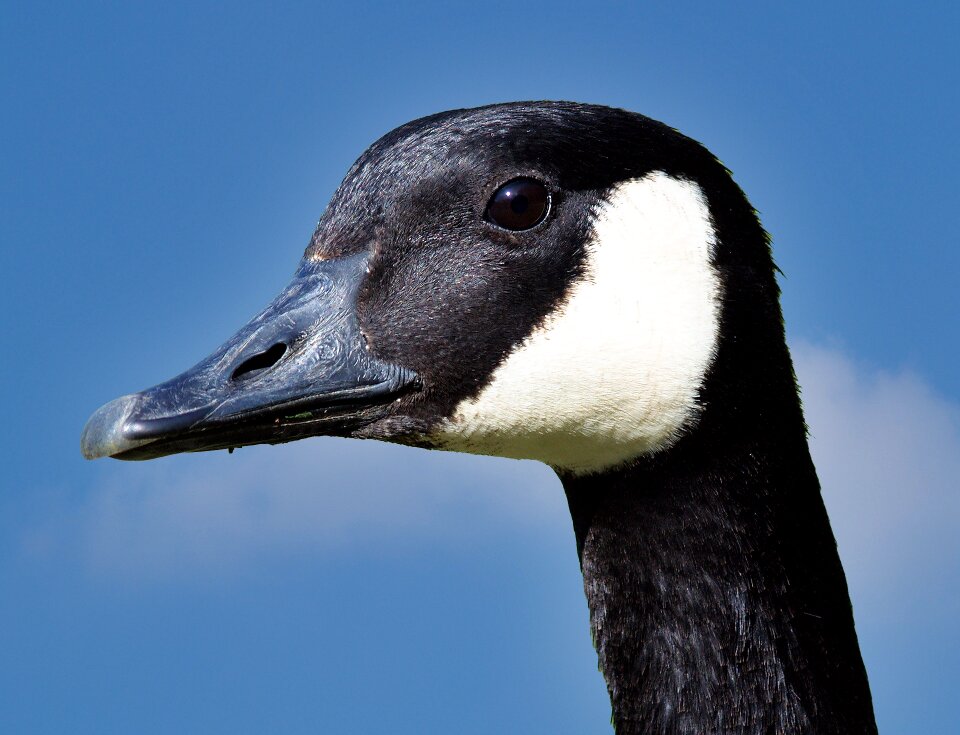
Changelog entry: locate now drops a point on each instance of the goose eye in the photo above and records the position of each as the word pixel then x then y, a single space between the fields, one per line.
pixel 519 204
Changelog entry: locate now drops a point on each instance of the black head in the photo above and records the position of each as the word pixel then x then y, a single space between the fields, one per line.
pixel 453 243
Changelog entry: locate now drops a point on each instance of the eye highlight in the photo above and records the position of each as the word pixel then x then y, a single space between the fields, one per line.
pixel 519 204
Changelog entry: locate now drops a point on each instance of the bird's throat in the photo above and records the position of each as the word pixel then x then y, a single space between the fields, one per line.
pixel 717 599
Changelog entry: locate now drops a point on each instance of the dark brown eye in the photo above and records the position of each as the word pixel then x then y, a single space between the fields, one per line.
pixel 519 204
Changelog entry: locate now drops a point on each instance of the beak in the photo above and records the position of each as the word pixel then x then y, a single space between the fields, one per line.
pixel 299 368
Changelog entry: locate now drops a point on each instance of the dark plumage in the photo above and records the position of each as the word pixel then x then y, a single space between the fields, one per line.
pixel 718 602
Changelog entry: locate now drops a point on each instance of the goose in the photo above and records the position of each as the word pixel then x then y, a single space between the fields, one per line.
pixel 586 287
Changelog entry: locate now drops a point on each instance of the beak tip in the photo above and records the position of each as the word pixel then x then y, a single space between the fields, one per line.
pixel 104 434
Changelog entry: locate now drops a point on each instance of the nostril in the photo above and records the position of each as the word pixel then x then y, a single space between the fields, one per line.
pixel 260 361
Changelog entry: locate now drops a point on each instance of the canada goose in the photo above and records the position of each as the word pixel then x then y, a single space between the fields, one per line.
pixel 586 287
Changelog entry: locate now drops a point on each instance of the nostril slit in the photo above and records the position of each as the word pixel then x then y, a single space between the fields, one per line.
pixel 260 361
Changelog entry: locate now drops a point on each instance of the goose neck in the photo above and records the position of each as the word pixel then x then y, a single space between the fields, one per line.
pixel 717 600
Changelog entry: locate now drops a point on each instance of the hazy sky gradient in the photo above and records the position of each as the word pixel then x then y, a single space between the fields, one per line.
pixel 162 169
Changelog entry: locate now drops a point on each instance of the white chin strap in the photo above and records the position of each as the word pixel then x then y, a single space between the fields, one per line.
pixel 615 371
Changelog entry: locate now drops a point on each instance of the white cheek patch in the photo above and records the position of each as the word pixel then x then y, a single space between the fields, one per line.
pixel 615 371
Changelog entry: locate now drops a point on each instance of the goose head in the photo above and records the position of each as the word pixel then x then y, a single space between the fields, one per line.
pixel 531 280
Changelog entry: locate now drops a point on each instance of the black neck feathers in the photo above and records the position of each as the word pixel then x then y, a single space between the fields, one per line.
pixel 717 600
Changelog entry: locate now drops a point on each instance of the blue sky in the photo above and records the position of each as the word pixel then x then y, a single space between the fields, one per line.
pixel 162 169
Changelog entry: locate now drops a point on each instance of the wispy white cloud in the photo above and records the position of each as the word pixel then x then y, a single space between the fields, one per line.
pixel 886 446
pixel 217 512
pixel 887 449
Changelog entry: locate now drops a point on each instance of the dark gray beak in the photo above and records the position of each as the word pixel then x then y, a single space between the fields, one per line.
pixel 299 368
